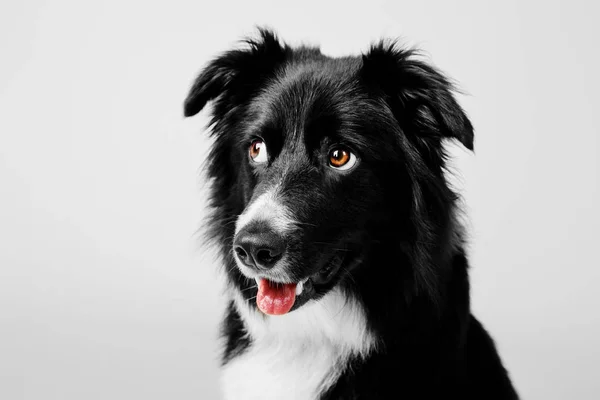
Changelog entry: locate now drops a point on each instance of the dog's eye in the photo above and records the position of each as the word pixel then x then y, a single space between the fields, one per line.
pixel 258 151
pixel 341 159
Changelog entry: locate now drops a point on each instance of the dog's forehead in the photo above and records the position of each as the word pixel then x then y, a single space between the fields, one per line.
pixel 305 93
pixel 302 84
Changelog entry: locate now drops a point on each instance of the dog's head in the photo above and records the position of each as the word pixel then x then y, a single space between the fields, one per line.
pixel 320 164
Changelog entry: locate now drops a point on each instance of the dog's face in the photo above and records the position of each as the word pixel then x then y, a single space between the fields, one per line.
pixel 308 160
pixel 313 162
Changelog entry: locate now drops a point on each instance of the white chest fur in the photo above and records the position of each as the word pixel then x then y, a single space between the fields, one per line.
pixel 298 355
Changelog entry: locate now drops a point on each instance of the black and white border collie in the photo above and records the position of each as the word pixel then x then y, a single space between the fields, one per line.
pixel 344 259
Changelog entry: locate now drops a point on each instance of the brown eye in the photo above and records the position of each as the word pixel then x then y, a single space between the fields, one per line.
pixel 341 159
pixel 258 151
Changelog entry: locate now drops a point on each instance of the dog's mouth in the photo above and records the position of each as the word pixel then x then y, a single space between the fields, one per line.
pixel 277 298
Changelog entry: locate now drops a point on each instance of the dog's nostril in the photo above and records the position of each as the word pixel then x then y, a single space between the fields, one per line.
pixel 240 252
pixel 265 256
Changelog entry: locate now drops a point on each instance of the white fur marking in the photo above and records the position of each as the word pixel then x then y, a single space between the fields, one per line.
pixel 296 356
pixel 267 208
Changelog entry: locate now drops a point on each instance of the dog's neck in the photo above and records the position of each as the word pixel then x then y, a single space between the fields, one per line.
pixel 297 355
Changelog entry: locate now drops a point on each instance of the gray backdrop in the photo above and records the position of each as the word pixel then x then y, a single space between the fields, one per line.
pixel 104 291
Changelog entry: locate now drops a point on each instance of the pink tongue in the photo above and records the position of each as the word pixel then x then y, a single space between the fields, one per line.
pixel 275 298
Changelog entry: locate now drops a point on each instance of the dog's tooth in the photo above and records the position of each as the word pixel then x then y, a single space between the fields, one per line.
pixel 299 288
pixel 257 281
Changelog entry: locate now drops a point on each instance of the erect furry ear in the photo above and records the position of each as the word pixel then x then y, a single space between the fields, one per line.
pixel 236 73
pixel 419 96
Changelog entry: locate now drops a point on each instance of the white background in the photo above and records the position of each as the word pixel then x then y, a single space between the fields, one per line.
pixel 104 291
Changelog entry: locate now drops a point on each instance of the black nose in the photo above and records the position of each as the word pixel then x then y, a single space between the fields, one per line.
pixel 258 246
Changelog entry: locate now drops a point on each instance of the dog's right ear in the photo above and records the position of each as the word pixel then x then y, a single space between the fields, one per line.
pixel 420 96
pixel 237 74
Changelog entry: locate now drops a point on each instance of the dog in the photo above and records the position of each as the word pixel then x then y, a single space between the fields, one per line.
pixel 344 258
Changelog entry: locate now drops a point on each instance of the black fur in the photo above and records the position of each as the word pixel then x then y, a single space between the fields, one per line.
pixel 395 213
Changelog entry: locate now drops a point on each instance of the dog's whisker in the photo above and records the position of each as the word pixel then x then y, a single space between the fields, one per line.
pixel 304 223
pixel 229 223
pixel 234 266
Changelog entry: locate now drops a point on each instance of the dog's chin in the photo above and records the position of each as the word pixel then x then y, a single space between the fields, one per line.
pixel 276 296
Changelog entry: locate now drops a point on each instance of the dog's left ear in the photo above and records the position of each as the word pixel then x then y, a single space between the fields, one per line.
pixel 237 74
pixel 419 96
